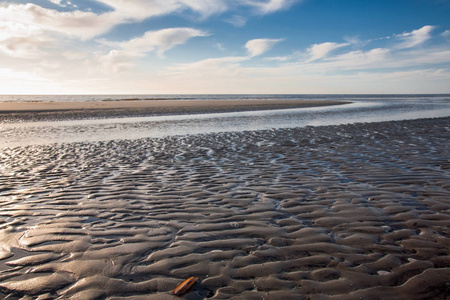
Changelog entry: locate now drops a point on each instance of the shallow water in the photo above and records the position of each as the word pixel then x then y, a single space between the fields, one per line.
pixel 375 109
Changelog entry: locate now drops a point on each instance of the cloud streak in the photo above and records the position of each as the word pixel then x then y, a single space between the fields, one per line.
pixel 160 41
pixel 319 51
pixel 259 46
pixel 270 6
pixel 138 10
pixel 415 37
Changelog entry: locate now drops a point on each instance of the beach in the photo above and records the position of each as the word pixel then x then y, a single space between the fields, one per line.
pixel 358 211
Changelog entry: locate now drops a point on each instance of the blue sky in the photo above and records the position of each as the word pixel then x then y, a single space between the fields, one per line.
pixel 224 46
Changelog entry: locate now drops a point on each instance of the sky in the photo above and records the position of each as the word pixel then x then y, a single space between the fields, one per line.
pixel 224 46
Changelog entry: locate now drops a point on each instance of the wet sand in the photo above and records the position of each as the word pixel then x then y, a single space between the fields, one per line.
pixel 356 211
pixel 41 111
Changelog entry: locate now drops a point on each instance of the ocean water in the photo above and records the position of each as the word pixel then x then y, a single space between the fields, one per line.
pixel 209 97
pixel 363 108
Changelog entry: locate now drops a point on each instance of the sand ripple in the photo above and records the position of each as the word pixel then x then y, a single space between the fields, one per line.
pixel 337 212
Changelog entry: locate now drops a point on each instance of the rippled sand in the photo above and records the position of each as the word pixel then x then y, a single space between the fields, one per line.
pixel 339 212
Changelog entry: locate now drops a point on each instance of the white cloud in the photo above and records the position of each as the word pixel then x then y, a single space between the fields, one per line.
pixel 22 47
pixel 10 29
pixel 143 9
pixel 270 6
pixel 115 61
pixel 21 40
pixel 161 40
pixel 446 34
pixel 259 46
pixel 57 2
pixel 138 10
pixel 359 59
pixel 318 51
pixel 121 58
pixel 77 23
pixel 415 37
pixel 74 55
pixel 63 3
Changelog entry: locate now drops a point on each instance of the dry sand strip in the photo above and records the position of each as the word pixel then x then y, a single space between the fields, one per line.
pixel 39 110
pixel 356 211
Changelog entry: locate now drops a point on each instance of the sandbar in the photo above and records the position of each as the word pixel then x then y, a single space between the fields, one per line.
pixel 51 110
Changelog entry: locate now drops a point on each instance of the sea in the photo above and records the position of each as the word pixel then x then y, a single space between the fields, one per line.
pixel 211 97
pixel 361 109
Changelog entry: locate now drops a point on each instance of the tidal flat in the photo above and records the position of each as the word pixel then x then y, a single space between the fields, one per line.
pixel 329 212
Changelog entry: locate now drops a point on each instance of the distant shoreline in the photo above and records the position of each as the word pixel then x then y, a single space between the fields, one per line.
pixel 10 111
pixel 199 105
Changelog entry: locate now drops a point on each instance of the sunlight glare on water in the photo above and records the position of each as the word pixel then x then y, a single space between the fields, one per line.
pixel 21 134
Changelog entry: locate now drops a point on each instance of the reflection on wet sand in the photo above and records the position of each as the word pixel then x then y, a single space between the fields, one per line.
pixel 350 211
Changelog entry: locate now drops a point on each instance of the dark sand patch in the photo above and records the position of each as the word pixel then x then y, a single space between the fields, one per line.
pixel 359 211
